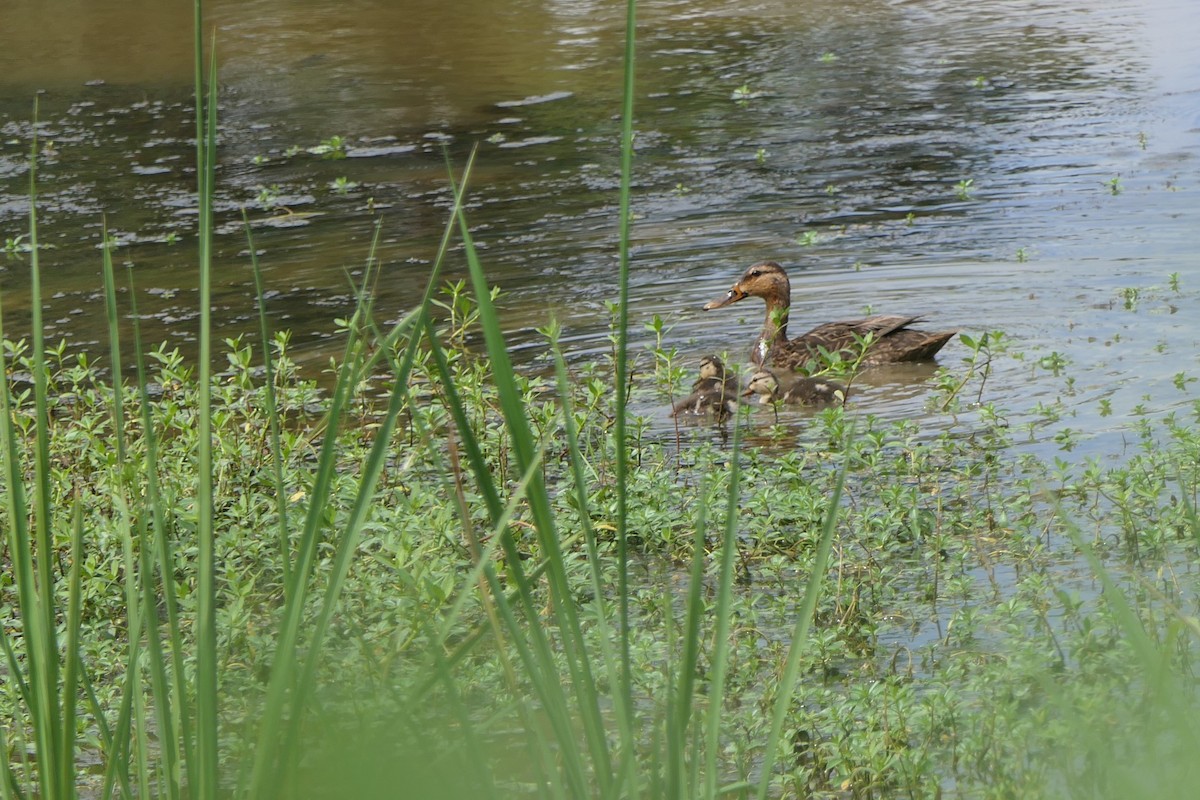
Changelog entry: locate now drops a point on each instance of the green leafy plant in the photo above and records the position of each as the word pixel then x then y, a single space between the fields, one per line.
pixel 332 148
pixel 979 361
pixel 342 185
pixel 1130 296
pixel 17 244
pixel 268 197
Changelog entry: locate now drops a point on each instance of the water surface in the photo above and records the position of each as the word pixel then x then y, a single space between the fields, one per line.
pixel 828 136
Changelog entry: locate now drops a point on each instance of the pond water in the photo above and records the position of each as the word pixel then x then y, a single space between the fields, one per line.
pixel 837 138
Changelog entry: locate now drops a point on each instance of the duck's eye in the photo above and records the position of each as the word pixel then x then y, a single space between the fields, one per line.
pixel 754 273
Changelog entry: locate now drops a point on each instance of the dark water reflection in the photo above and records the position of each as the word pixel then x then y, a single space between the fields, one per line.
pixel 842 162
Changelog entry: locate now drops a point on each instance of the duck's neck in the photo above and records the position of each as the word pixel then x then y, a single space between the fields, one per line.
pixel 774 328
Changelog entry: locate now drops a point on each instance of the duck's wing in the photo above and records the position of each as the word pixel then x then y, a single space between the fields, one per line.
pixel 842 335
pixel 845 330
pixel 908 344
pixel 894 339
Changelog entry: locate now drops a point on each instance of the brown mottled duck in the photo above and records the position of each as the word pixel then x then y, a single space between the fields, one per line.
pixel 715 392
pixel 784 386
pixel 891 337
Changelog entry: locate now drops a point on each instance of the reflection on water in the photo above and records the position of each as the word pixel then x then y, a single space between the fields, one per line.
pixel 1004 164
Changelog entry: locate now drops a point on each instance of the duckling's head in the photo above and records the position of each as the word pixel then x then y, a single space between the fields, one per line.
pixel 766 279
pixel 765 383
pixel 711 367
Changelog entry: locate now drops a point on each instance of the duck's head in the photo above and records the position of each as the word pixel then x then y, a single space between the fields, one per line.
pixel 762 382
pixel 711 367
pixel 765 279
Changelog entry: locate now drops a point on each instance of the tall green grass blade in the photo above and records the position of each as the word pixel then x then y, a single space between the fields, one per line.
pixel 116 769
pixel 572 640
pixel 135 725
pixel 622 710
pixel 141 751
pixel 117 748
pixel 483 564
pixel 170 691
pixel 478 758
pixel 622 372
pixel 112 314
pixel 18 533
pixel 679 709
pixel 133 722
pixel 352 532
pixel 16 675
pixel 812 592
pixel 21 565
pixel 70 690
pixel 205 781
pixel 283 667
pixel 105 734
pixel 168 695
pixel 281 505
pixel 530 640
pixel 487 487
pixel 723 609
pixel 116 744
pixel 274 740
pixel 35 580
pixel 9 788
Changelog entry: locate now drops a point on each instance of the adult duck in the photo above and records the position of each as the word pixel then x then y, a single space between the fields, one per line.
pixel 784 386
pixel 891 337
pixel 714 392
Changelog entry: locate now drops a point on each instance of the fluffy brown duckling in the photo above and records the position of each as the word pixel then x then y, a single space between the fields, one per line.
pixel 714 392
pixel 781 386
pixel 893 339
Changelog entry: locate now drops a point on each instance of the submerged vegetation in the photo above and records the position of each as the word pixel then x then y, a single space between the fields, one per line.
pixel 444 575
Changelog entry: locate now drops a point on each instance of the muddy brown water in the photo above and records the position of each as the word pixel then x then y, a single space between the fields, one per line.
pixel 828 136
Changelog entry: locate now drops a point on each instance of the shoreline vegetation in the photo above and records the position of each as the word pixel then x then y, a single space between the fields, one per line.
pixel 962 635
pixel 483 583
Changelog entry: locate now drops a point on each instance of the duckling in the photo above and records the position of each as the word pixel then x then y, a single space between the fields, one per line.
pixel 892 338
pixel 715 391
pixel 788 387
pixel 712 369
